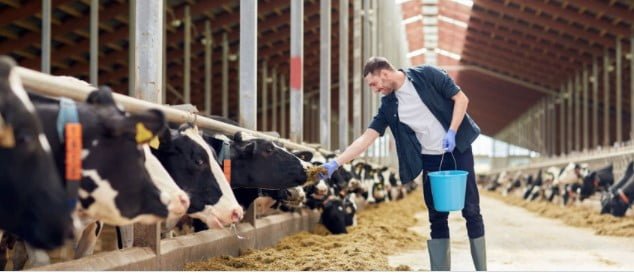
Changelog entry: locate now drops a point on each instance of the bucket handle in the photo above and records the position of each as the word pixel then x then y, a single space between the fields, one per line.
pixel 454 161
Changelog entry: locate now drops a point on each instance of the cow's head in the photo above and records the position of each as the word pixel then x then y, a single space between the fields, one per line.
pixel 32 199
pixel 260 163
pixel 192 164
pixel 116 186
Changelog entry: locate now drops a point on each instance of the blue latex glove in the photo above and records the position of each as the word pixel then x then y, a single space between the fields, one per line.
pixel 449 141
pixel 331 167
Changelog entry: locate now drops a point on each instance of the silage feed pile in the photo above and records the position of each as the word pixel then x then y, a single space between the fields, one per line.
pixel 578 216
pixel 382 230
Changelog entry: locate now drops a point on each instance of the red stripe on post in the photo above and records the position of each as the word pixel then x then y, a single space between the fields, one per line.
pixel 296 73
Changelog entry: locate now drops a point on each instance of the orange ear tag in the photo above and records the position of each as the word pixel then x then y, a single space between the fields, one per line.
pixel 73 151
pixel 226 167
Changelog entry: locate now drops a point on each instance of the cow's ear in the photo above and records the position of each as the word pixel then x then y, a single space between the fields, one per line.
pixel 248 149
pixel 237 137
pixel 304 155
pixel 103 96
pixel 148 126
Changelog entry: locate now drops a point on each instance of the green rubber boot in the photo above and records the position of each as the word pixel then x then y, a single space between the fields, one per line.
pixel 439 254
pixel 479 253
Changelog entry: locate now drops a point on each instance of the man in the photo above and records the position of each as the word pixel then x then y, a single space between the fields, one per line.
pixel 426 113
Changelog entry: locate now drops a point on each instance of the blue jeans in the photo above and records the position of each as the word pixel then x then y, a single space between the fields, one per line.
pixel 471 210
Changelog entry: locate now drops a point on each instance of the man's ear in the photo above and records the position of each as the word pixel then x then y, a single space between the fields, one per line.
pixel 148 125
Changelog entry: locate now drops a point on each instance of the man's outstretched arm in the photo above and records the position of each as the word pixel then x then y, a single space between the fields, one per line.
pixel 355 149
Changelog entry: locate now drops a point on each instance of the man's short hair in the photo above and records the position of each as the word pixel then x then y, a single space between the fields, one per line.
pixel 376 64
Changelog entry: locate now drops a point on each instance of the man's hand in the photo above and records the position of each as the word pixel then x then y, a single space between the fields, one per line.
pixel 330 167
pixel 449 141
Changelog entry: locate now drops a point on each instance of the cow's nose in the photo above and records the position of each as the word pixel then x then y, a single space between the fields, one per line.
pixel 184 200
pixel 236 214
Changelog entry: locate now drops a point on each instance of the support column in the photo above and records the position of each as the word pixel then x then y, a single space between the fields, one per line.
pixel 187 44
pixel 569 97
pixel 225 75
pixel 208 63
pixel 248 64
pixel 131 46
pixel 148 84
pixel 324 72
pixel 274 101
pixel 632 87
pixel 343 74
pixel 595 103
pixel 297 71
pixel 562 120
pixel 619 92
pixel 46 36
pixel 94 42
pixel 283 101
pixel 265 97
pixel 606 98
pixel 356 70
pixel 367 93
pixel 577 117
pixel 586 110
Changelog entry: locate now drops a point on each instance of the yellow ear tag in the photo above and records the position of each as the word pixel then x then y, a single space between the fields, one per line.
pixel 154 143
pixel 143 135
pixel 7 139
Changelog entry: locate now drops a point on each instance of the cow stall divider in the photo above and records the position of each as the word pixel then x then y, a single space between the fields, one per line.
pixel 175 252
pixel 618 156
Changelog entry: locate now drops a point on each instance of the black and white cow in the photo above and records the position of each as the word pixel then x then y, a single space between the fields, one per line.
pixel 259 163
pixel 606 196
pixel 621 198
pixel 192 164
pixel 597 181
pixel 33 202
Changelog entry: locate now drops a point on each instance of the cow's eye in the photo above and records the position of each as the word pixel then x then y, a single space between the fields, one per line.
pixel 200 162
pixel 270 149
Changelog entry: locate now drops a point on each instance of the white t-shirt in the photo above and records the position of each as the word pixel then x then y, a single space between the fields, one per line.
pixel 415 114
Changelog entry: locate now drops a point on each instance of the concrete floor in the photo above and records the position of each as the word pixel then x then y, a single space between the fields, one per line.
pixel 518 240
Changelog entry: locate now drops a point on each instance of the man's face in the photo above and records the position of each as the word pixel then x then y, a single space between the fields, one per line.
pixel 380 82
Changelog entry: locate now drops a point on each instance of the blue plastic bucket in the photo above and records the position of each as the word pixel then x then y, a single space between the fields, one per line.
pixel 448 189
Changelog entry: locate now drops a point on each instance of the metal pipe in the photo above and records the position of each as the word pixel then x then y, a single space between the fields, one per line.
pixel 356 69
pixel 94 42
pixel 265 97
pixel 208 64
pixel 164 56
pixel 148 84
pixel 275 100
pixel 283 97
pixel 52 86
pixel 366 54
pixel 297 71
pixel 46 36
pixel 606 98
pixel 586 110
pixel 149 38
pixel 187 56
pixel 225 75
pixel 569 96
pixel 324 73
pixel 595 102
pixel 577 117
pixel 562 120
pixel 343 75
pixel 632 87
pixel 131 46
pixel 248 64
pixel 619 92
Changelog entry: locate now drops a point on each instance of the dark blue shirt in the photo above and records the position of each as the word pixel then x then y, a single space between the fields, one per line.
pixel 436 89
